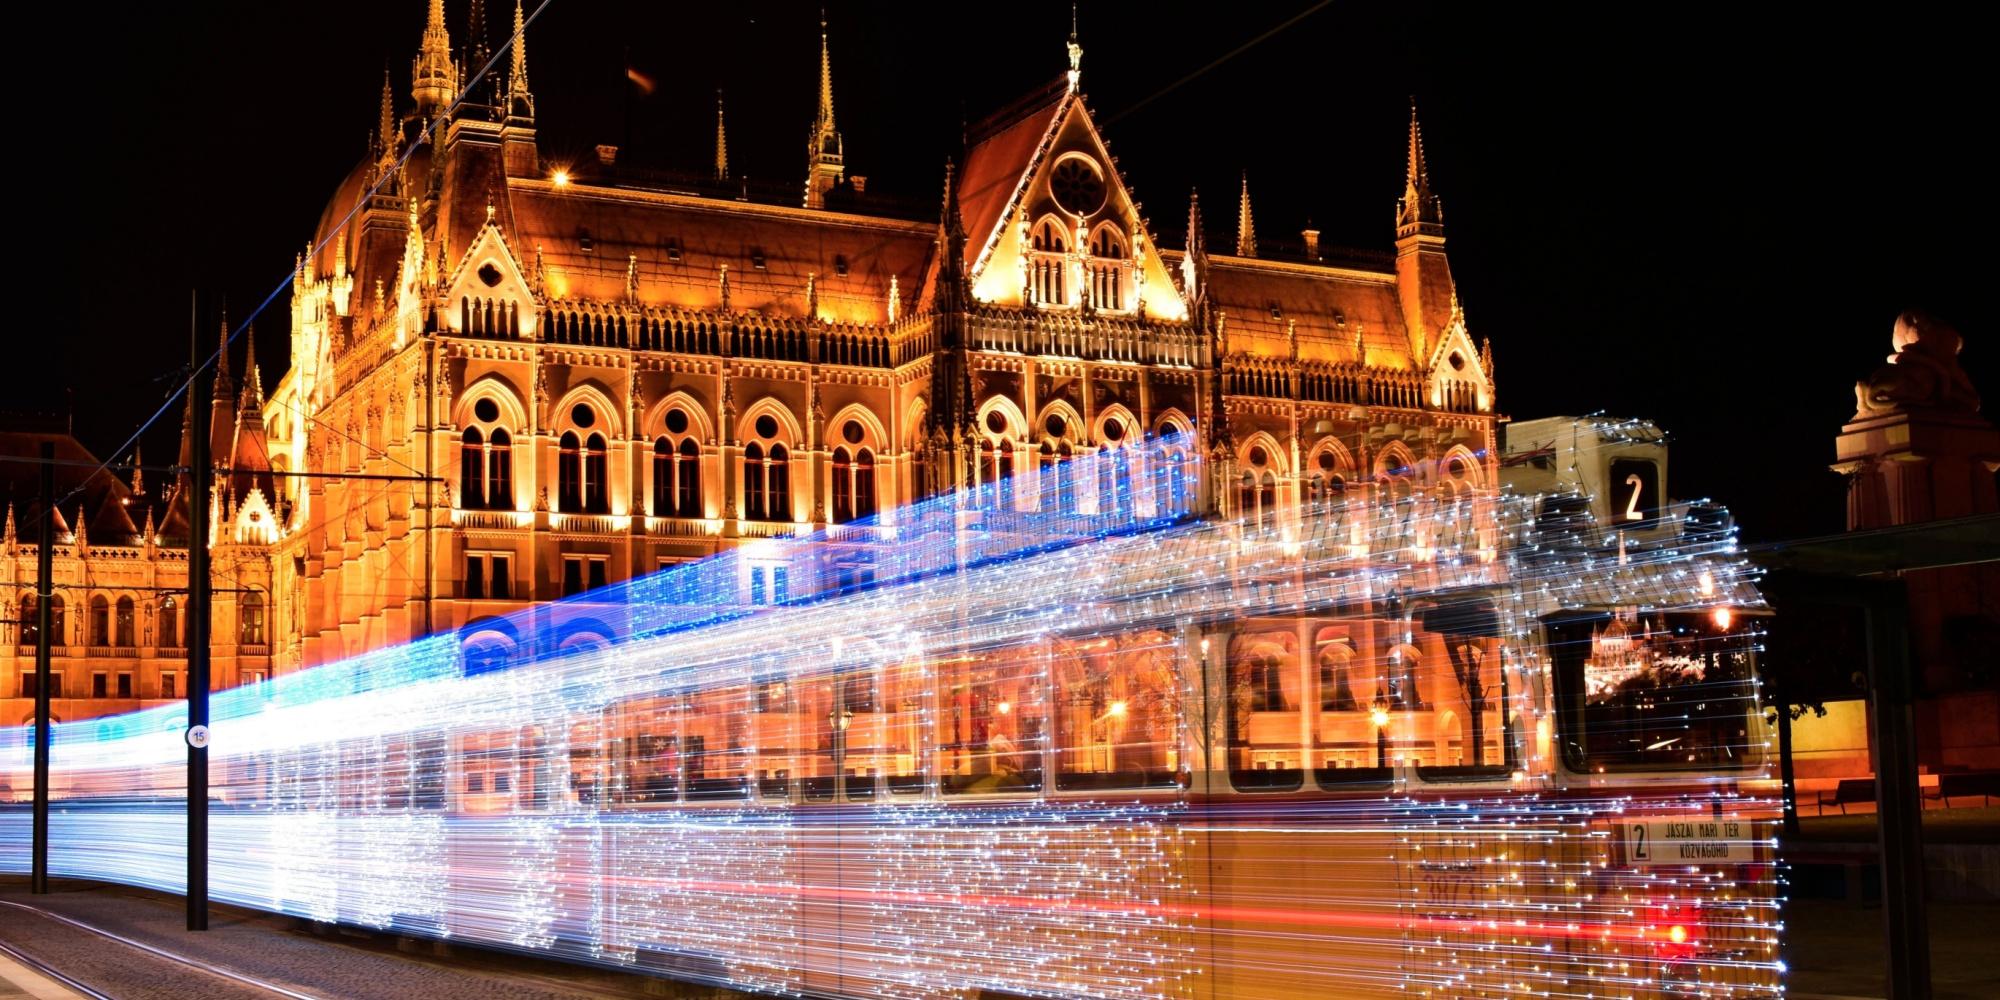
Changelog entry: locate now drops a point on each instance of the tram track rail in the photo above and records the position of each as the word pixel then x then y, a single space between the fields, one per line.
pixel 222 972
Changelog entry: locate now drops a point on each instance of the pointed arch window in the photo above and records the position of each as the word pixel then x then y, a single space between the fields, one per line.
pixel 485 464
pixel 472 469
pixel 569 473
pixel 1048 264
pixel 1058 477
pixel 676 477
pixel 864 483
pixel 170 625
pixel 1257 497
pixel 100 621
pixel 125 623
pixel 767 481
pixel 754 467
pixel 1107 272
pixel 31 622
pixel 778 485
pixel 853 484
pixel 596 473
pixel 250 626
pixel 843 486
pixel 500 471
pixel 677 468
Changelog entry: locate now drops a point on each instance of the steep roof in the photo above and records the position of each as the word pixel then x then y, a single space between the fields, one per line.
pixel 705 234
pixel 998 157
pixel 107 501
pixel 1331 307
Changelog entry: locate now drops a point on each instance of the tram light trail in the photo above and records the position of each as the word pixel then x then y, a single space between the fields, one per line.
pixel 1428 747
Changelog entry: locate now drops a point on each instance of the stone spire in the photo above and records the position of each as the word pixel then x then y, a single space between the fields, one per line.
pixel 951 229
pixel 138 472
pixel 1194 265
pixel 721 142
pixel 1419 212
pixel 1246 227
pixel 387 136
pixel 1075 51
pixel 252 396
pixel 825 160
pixel 520 103
pixel 222 401
pixel 222 355
pixel 433 76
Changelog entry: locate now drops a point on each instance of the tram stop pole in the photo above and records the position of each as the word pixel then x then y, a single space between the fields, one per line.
pixel 1883 602
pixel 201 476
pixel 38 878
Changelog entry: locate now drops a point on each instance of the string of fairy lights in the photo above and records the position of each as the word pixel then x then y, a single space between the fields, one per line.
pixel 1377 748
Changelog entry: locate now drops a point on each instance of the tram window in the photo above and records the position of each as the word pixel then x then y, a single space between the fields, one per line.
pixel 396 773
pixel 1348 747
pixel 356 777
pixel 1264 685
pixel 485 759
pixel 896 750
pixel 1461 657
pixel 1653 691
pixel 715 746
pixel 815 719
pixel 1117 705
pixel 774 731
pixel 430 767
pixel 993 721
pixel 647 766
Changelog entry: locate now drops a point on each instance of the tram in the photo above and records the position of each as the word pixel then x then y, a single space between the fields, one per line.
pixel 1464 747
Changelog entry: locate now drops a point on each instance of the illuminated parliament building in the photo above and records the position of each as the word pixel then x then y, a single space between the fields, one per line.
pixel 541 378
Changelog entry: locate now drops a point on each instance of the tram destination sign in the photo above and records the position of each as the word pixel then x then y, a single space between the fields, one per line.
pixel 1687 841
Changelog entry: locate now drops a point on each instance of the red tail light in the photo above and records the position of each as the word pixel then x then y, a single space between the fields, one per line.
pixel 1676 935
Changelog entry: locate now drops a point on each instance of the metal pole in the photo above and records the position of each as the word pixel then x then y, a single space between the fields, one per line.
pixel 38 881
pixel 1899 810
pixel 1788 788
pixel 200 476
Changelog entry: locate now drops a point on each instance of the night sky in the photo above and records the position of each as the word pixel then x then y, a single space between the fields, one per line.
pixel 1706 215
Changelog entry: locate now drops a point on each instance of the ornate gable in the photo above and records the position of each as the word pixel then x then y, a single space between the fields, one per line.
pixel 488 294
pixel 1067 234
pixel 1457 367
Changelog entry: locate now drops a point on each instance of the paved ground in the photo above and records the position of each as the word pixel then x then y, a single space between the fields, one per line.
pixel 1834 949
pixel 276 950
pixel 18 982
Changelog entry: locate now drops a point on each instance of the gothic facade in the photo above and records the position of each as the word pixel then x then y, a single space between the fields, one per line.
pixel 118 622
pixel 529 379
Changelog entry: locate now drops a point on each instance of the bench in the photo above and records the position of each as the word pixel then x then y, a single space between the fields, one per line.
pixel 1965 784
pixel 1855 790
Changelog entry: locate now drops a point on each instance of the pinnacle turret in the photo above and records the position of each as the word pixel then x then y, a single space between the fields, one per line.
pixel 825 158
pixel 1246 227
pixel 1419 211
pixel 433 75
pixel 1194 264
pixel 520 102
pixel 388 138
pixel 721 141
